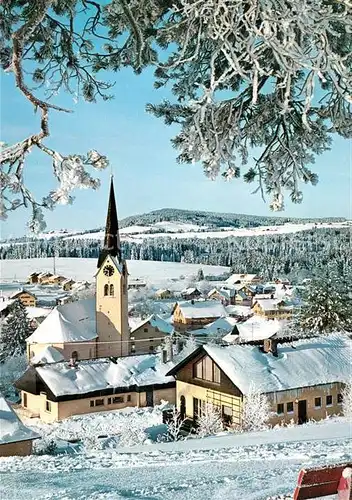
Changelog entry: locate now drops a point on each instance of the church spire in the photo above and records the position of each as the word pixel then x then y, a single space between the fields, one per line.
pixel 112 243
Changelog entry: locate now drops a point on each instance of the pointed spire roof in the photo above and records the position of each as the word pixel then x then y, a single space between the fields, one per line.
pixel 112 243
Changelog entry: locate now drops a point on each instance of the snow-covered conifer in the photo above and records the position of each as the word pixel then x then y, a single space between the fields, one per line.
pixel 200 275
pixel 14 332
pixel 210 421
pixel 256 410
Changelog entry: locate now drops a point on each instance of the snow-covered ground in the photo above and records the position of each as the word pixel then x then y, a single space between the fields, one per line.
pixel 182 230
pixel 233 467
pixel 156 273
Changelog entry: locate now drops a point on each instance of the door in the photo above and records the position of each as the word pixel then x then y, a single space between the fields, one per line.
pixel 150 398
pixel 302 411
pixel 182 407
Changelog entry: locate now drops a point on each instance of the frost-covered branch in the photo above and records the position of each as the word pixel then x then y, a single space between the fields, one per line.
pixel 256 410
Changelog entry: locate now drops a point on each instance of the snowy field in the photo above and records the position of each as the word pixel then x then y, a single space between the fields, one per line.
pixel 156 273
pixel 181 230
pixel 252 466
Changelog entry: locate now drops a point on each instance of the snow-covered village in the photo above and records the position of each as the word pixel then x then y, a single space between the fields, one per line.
pixel 188 353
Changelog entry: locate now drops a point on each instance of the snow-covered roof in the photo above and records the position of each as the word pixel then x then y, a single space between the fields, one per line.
pixel 12 429
pixel 234 278
pixel 202 309
pixel 303 363
pixel 189 291
pixel 71 322
pixel 256 328
pixel 156 322
pixel 37 312
pixel 100 374
pixel 4 304
pixel 48 355
pixel 68 281
pixel 273 304
pixel 21 290
pixel 238 310
pixel 217 327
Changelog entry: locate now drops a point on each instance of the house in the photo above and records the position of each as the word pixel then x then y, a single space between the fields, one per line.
pixel 217 329
pixel 56 279
pixel 36 315
pixel 58 390
pixel 136 284
pixel 238 311
pixel 28 299
pixel 245 279
pixel 273 308
pixel 190 293
pixel 68 284
pixel 149 334
pixel 43 278
pixel 15 437
pixel 33 278
pixel 302 380
pixel 69 328
pixel 195 314
pixel 242 298
pixel 254 329
pixel 224 295
pixel 163 293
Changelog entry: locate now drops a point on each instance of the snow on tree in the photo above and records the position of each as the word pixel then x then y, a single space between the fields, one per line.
pixel 327 304
pixel 347 400
pixel 210 421
pixel 14 332
pixel 271 59
pixel 11 369
pixel 256 410
pixel 200 275
pixel 174 426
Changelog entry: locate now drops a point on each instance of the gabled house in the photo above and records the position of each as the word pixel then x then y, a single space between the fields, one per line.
pixel 163 293
pixel 242 298
pixel 224 295
pixel 68 284
pixel 149 334
pixel 37 315
pixel 27 298
pixel 216 330
pixel 273 308
pixel 43 278
pixel 15 437
pixel 302 380
pixel 190 315
pixel 245 279
pixel 190 293
pixel 254 329
pixel 33 278
pixel 136 284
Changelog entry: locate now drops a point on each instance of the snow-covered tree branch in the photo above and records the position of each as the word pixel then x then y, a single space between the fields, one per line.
pixel 210 421
pixel 260 85
pixel 256 410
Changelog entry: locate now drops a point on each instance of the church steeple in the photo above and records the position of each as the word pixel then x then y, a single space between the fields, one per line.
pixel 112 243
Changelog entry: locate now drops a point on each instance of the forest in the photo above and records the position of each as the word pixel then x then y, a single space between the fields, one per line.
pixel 295 255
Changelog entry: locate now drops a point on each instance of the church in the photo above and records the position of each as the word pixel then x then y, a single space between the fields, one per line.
pixel 80 355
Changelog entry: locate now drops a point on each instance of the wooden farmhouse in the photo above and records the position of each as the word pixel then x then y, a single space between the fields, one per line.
pixel 190 293
pixel 68 284
pixel 149 334
pixel 244 279
pixel 56 279
pixel 302 380
pixel 33 278
pixel 273 308
pixel 163 293
pixel 191 315
pixel 43 278
pixel 28 299
pixel 15 437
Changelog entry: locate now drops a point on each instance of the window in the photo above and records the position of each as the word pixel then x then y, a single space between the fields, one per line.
pixel 133 348
pixel 151 348
pixel 48 406
pixel 317 402
pixel 118 399
pixel 339 399
pixel 128 397
pixel 99 402
pixel 91 404
pixel 227 415
pixel 112 290
pixel 109 401
pixel 106 290
pixel 25 400
pixel 74 355
pixel 328 400
pixel 206 369
pixel 289 407
pixel 145 330
pixel 280 409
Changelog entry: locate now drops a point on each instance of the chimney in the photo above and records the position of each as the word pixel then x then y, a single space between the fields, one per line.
pixel 270 346
pixel 169 349
pixel 73 363
pixel 164 355
pixel 179 345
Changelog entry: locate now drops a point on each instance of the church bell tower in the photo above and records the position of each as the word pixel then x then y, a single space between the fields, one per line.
pixel 112 290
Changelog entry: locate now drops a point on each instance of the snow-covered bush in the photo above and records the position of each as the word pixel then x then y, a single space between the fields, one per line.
pixel 174 426
pixel 45 447
pixel 256 410
pixel 210 421
pixel 133 432
pixel 10 371
pixel 347 401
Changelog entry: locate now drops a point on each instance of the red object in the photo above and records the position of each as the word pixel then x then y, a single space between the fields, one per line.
pixel 323 481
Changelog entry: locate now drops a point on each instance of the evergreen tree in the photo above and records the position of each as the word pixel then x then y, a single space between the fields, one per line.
pixel 14 332
pixel 200 275
pixel 327 305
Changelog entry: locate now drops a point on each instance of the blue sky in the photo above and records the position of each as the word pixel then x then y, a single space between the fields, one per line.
pixel 146 174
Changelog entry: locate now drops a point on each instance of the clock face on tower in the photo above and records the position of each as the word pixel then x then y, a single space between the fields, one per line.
pixel 108 270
